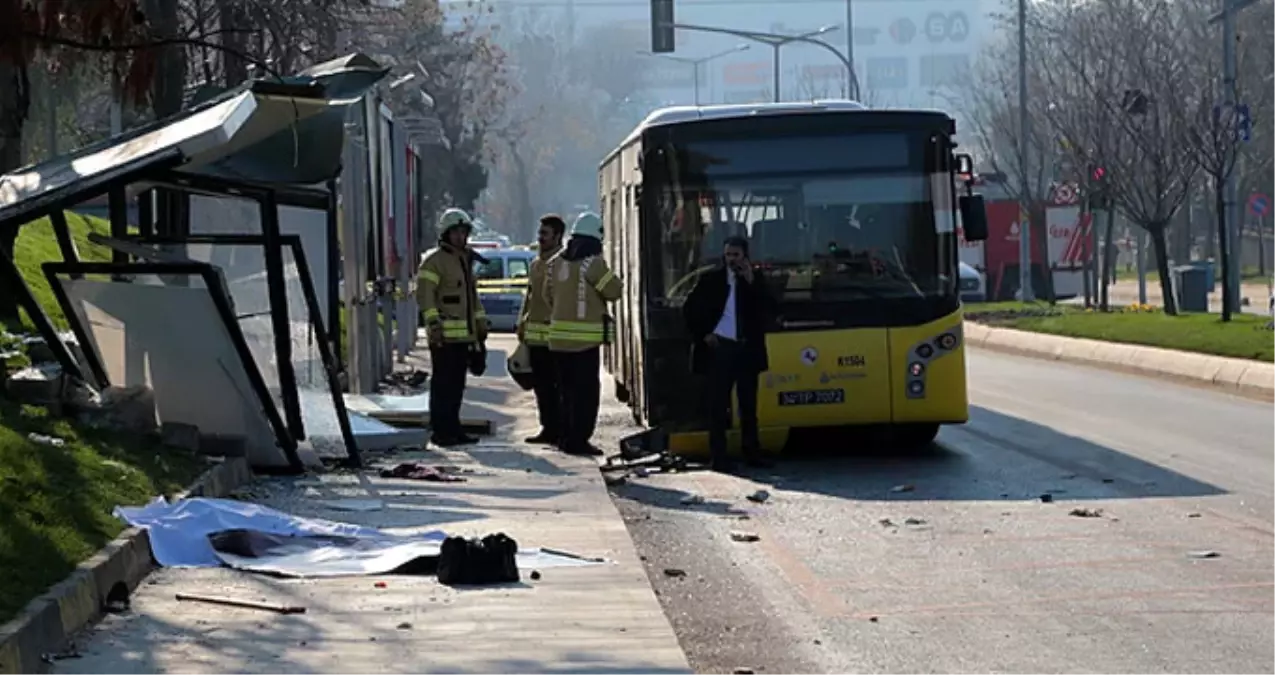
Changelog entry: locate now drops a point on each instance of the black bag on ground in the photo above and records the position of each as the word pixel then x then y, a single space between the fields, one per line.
pixel 490 560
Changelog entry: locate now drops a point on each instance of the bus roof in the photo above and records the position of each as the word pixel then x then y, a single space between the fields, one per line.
pixel 690 113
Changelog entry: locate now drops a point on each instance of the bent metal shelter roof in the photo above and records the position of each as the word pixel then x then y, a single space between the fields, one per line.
pixel 209 134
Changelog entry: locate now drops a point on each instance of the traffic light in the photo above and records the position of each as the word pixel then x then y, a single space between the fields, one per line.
pixel 1099 174
pixel 662 27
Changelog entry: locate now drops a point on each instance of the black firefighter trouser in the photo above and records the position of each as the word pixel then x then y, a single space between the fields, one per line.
pixel 581 390
pixel 544 369
pixel 450 363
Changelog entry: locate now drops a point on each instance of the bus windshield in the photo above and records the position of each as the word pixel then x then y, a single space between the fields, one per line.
pixel 827 219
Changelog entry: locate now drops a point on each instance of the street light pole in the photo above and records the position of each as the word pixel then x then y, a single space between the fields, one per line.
pixel 851 89
pixel 696 63
pixel 1024 202
pixel 775 41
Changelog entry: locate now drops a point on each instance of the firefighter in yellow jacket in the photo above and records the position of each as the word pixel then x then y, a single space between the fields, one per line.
pixel 533 331
pixel 454 321
pixel 578 285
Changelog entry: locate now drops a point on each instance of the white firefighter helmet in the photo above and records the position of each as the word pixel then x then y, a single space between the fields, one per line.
pixel 453 217
pixel 519 366
pixel 587 224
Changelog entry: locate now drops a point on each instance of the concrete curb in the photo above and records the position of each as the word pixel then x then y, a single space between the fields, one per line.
pixel 1253 379
pixel 48 622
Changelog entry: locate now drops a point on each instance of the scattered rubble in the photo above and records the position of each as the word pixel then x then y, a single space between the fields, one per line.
pixel 902 488
pixel 1085 513
pixel 759 497
pixel 1192 515
pixel 674 572
pixel 1201 555
pixel 914 521
pixel 743 671
pixel 180 435
pixel 404 626
pixel 692 499
pixel 1046 498
pixel 535 575
pixel 744 537
pixel 886 522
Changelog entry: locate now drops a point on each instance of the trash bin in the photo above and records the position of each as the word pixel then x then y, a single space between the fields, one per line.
pixel 1208 267
pixel 1192 287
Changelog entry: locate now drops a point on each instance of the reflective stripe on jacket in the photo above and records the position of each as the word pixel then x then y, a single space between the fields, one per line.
pixel 447 297
pixel 578 291
pixel 536 312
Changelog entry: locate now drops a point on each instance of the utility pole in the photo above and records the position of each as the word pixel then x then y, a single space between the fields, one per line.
pixel 850 82
pixel 1024 130
pixel 1230 196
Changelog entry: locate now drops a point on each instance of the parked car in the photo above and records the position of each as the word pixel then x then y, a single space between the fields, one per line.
pixel 501 277
pixel 972 284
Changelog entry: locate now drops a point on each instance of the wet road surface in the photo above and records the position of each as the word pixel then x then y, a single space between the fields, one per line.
pixel 1151 550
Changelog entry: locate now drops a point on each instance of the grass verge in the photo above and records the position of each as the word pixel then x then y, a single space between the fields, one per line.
pixel 1246 336
pixel 56 501
pixel 37 245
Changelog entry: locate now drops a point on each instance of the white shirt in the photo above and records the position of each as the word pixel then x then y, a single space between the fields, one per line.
pixel 726 325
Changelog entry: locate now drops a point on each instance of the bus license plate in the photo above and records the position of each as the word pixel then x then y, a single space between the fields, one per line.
pixel 812 397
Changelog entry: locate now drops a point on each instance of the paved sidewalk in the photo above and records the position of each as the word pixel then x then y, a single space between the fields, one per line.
pixel 599 619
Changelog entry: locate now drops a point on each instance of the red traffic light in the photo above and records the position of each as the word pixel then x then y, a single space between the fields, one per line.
pixel 1099 173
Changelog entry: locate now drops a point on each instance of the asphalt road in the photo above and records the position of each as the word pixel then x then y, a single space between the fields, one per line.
pixel 951 562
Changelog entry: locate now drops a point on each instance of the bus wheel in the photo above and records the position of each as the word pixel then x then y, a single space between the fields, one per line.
pixel 621 392
pixel 915 437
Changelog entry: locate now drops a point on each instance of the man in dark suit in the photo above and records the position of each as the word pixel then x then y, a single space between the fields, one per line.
pixel 727 313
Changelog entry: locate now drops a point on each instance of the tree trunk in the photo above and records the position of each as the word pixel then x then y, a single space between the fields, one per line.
pixel 1040 245
pixel 1160 245
pixel 1224 257
pixel 522 180
pixel 233 24
pixel 167 87
pixel 1108 259
pixel 15 105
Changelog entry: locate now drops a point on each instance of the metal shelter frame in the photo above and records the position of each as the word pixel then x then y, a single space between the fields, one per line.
pixel 170 162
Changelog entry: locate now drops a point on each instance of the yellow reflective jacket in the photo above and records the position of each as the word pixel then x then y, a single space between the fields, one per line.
pixel 535 315
pixel 447 296
pixel 578 291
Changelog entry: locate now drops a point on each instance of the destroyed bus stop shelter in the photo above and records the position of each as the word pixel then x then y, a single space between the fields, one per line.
pixel 171 153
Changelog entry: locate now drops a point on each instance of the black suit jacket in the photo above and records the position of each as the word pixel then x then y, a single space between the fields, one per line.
pixel 703 309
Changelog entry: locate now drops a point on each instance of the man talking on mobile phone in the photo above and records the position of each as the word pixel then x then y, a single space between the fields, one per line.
pixel 726 314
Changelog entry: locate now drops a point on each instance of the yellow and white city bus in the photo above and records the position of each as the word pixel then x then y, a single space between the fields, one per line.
pixel 852 216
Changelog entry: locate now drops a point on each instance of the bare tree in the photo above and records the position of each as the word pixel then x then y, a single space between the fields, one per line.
pixel 1152 166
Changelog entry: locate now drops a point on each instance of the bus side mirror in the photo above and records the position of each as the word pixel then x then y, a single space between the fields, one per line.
pixel 974 217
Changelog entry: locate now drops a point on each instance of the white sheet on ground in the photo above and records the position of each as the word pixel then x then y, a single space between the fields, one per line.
pixel 179 538
pixel 415 404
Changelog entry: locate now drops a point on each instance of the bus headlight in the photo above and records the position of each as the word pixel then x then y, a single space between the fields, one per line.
pixel 916 368
pixel 916 387
pixel 947 341
pixel 925 351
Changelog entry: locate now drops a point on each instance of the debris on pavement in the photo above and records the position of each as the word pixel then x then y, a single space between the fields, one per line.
pixel 692 499
pixel 247 604
pixel 743 671
pixel 1192 515
pixel 612 481
pixel 758 497
pixel 573 556
pixel 674 572
pixel 380 584
pixel 421 471
pixel 1200 555
pixel 404 626
pixel 902 488
pixel 1086 513
pixel 535 575
pixel 1046 498
pixel 744 537
pixel 914 521
pixel 886 522
pixel 873 619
